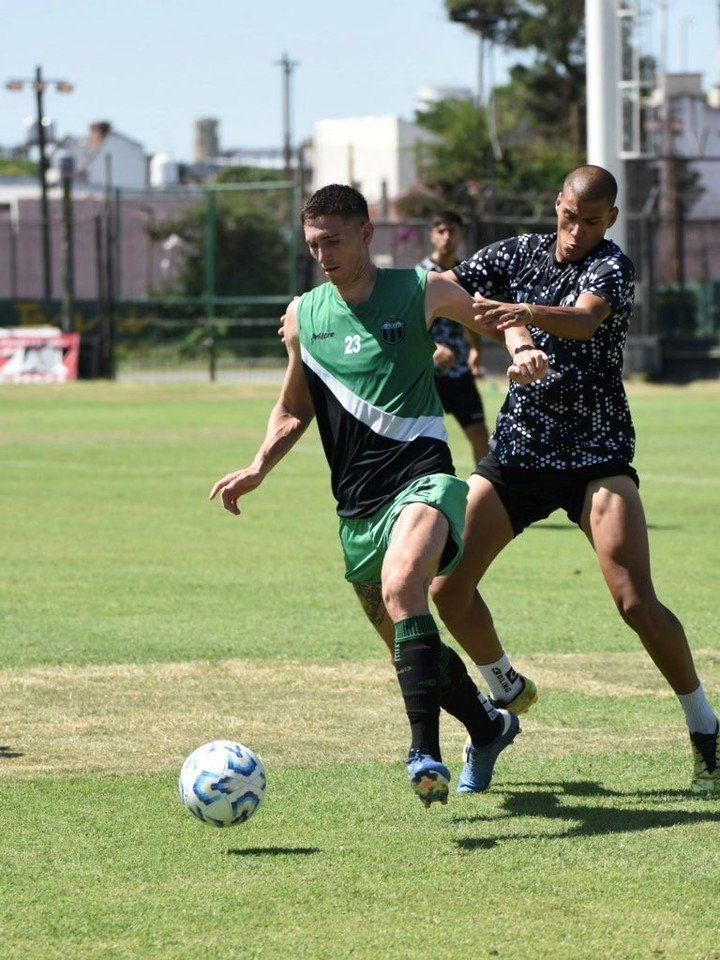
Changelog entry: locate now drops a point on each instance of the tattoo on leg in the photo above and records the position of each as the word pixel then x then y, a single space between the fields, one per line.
pixel 370 597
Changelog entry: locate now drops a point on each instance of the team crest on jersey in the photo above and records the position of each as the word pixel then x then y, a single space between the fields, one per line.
pixel 393 331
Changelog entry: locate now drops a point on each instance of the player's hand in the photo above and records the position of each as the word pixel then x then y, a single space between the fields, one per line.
pixel 444 357
pixel 281 328
pixel 528 366
pixel 235 485
pixel 475 362
pixel 499 316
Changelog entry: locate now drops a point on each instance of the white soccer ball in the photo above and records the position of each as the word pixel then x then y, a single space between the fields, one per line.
pixel 222 783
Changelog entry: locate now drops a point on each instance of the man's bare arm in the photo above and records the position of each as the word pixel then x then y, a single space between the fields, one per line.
pixel 573 323
pixel 288 420
pixel 475 331
pixel 445 297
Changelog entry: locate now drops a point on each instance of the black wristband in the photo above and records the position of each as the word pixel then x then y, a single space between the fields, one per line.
pixel 524 346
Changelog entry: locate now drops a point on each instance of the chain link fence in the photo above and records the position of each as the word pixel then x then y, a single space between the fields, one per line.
pixel 192 281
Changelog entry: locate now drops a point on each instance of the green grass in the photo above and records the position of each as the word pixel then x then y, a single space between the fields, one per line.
pixel 138 620
pixel 565 868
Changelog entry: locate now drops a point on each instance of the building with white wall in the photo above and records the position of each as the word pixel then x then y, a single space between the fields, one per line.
pixel 104 152
pixel 381 156
pixel 688 126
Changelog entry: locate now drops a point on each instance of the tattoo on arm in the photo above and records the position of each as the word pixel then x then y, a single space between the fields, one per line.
pixel 370 597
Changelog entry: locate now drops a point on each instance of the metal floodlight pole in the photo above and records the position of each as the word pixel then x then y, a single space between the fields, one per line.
pixel 67 169
pixel 44 208
pixel 288 66
pixel 481 72
pixel 210 253
pixel 484 25
pixel 39 84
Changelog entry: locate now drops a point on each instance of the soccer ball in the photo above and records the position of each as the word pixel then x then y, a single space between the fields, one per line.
pixel 222 783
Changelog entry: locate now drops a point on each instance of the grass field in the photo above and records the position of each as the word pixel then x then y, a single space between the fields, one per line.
pixel 137 621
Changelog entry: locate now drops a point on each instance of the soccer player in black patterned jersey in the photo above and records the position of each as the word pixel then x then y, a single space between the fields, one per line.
pixel 567 442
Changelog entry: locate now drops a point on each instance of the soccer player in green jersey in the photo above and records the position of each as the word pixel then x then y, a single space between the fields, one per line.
pixel 360 362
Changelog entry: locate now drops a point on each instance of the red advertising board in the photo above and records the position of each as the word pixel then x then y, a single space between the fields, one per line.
pixel 38 355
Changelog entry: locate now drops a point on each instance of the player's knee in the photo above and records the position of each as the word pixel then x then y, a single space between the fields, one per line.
pixel 437 592
pixel 647 616
pixel 628 608
pixel 397 584
pixel 451 597
pixel 636 608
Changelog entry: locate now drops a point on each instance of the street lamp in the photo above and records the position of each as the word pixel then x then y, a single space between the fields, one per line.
pixel 39 84
pixel 484 25
pixel 288 66
pixel 67 171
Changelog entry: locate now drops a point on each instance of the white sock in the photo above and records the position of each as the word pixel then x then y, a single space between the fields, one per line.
pixel 699 715
pixel 501 678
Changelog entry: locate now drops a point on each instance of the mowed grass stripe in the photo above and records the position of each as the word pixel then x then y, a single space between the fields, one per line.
pixel 344 863
pixel 112 553
pixel 131 719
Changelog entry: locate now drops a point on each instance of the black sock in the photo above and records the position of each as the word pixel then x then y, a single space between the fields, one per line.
pixel 417 659
pixel 459 697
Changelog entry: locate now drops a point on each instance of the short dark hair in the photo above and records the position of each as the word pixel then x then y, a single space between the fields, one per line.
pixel 336 200
pixel 448 217
pixel 591 183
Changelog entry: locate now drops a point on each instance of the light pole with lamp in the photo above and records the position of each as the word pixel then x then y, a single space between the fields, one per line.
pixel 67 169
pixel 288 66
pixel 39 84
pixel 484 25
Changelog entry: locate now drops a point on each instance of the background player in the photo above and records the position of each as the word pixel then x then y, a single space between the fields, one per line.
pixel 458 350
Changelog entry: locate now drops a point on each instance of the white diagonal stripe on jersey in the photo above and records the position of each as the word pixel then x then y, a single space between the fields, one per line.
pixel 379 421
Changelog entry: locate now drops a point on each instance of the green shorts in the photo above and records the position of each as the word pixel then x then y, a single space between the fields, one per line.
pixel 365 541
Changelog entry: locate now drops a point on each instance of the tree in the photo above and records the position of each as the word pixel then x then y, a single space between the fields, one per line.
pixel 461 153
pixel 17 167
pixel 552 88
pixel 252 230
pixel 251 254
pixel 538 117
pixel 461 170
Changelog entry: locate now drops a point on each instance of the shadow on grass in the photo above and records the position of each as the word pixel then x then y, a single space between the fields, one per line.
pixel 7 753
pixel 568 525
pixel 272 851
pixel 590 821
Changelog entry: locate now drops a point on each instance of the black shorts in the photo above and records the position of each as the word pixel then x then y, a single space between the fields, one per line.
pixel 460 397
pixel 531 495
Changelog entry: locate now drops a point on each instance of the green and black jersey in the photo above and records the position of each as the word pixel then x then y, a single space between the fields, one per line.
pixel 370 372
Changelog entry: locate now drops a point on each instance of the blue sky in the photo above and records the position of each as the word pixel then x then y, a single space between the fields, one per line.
pixel 152 68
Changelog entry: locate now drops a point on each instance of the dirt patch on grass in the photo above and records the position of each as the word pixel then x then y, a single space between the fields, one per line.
pixel 132 719
pixel 129 719
pixel 612 674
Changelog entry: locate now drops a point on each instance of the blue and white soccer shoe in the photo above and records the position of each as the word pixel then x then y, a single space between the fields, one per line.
pixel 479 762
pixel 429 778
